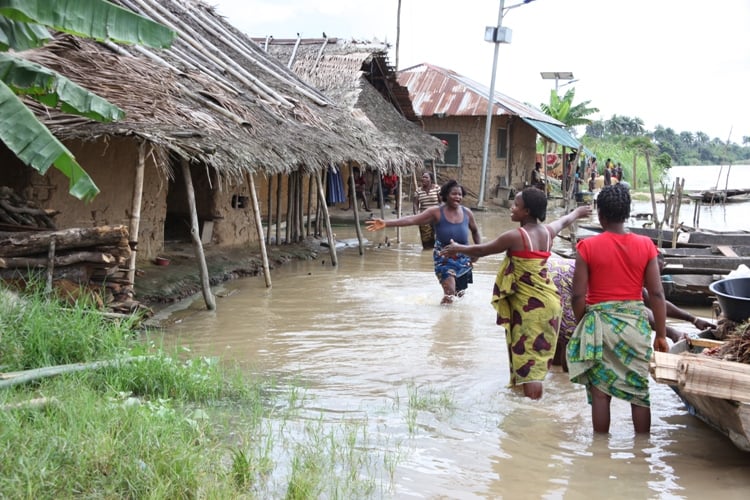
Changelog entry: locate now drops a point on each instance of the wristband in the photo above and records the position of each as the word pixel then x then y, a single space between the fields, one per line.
pixel 695 321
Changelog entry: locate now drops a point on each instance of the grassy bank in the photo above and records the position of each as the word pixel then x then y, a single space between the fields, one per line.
pixel 152 424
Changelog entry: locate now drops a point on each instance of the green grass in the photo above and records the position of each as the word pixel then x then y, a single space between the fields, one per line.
pixel 164 425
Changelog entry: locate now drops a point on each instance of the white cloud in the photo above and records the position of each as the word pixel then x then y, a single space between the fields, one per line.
pixel 683 64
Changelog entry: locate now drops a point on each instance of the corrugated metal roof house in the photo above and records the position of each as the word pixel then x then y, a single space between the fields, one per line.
pixel 454 108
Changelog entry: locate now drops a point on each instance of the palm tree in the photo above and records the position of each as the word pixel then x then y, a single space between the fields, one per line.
pixel 564 111
pixel 24 25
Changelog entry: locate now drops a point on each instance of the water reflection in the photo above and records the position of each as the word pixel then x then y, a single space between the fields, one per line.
pixel 366 336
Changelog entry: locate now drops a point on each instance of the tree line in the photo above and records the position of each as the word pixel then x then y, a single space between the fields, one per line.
pixel 684 148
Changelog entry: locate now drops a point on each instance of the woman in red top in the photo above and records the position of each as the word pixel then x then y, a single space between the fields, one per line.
pixel 610 349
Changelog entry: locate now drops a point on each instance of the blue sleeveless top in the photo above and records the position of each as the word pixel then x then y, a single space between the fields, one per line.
pixel 446 231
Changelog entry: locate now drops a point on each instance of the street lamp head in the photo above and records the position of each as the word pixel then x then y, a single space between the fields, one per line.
pixel 557 75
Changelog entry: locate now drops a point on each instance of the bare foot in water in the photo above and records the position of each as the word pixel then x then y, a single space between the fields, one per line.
pixel 447 300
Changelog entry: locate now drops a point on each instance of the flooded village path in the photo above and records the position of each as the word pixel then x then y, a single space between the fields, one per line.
pixel 368 338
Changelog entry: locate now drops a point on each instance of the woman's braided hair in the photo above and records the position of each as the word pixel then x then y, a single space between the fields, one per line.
pixel 613 203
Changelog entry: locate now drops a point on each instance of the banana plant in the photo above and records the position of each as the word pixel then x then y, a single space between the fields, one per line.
pixel 25 24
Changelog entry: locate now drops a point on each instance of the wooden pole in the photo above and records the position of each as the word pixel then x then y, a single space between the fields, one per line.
pixel 400 196
pixel 657 222
pixel 279 187
pixel 300 206
pixel 329 233
pixel 676 210
pixel 195 235
pixel 259 226
pixel 357 228
pixel 270 209
pixel 50 265
pixel 309 205
pixel 635 173
pixel 135 211
pixel 289 198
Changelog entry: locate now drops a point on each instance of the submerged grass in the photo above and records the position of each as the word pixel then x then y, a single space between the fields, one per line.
pixel 160 426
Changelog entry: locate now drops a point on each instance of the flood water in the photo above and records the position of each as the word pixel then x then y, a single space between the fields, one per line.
pixel 363 337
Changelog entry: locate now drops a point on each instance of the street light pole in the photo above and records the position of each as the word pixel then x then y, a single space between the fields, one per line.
pixel 490 109
pixel 497 35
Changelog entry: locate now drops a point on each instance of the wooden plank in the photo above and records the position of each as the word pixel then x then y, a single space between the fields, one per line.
pixel 709 343
pixel 663 367
pixel 718 262
pixel 719 379
pixel 727 250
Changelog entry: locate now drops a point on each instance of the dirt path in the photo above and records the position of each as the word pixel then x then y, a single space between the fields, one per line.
pixel 155 284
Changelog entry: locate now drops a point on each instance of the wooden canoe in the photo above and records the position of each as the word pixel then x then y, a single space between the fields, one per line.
pixel 694 239
pixel 730 417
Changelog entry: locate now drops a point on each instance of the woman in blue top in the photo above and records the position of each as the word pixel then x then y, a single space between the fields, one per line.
pixel 452 221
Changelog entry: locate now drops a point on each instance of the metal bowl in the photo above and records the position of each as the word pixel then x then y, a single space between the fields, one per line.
pixel 733 295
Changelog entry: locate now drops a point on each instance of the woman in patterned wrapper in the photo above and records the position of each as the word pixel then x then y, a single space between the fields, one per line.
pixel 524 296
pixel 610 349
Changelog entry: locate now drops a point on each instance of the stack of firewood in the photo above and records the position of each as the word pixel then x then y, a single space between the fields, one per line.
pixel 94 259
pixel 16 213
pixel 90 260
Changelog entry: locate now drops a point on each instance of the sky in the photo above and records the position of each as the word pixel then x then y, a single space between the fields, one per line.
pixel 681 64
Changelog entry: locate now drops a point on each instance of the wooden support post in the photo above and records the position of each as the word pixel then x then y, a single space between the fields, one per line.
pixel 309 205
pixel 676 210
pixel 50 266
pixel 135 211
pixel 300 202
pixel 259 226
pixel 355 204
pixel 208 296
pixel 279 188
pixel 381 200
pixel 289 197
pixel 270 209
pixel 399 195
pixel 329 233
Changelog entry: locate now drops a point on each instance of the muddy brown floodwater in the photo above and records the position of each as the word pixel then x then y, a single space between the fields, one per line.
pixel 365 336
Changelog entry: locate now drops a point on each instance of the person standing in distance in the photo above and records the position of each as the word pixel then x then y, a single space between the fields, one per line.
pixel 428 195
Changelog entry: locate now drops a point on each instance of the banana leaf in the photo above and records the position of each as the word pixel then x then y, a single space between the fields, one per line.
pixel 97 19
pixel 21 36
pixel 35 145
pixel 53 89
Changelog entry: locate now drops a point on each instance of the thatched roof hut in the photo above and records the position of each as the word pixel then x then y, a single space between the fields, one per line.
pixel 214 96
pixel 358 75
pixel 202 119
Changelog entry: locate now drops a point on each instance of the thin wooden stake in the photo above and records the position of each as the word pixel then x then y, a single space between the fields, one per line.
pixel 208 296
pixel 259 226
pixel 135 212
pixel 329 232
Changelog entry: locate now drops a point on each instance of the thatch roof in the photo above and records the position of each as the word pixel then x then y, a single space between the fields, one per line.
pixel 358 75
pixel 215 96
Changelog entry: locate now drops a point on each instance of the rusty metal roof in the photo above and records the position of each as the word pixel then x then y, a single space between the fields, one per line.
pixel 442 92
